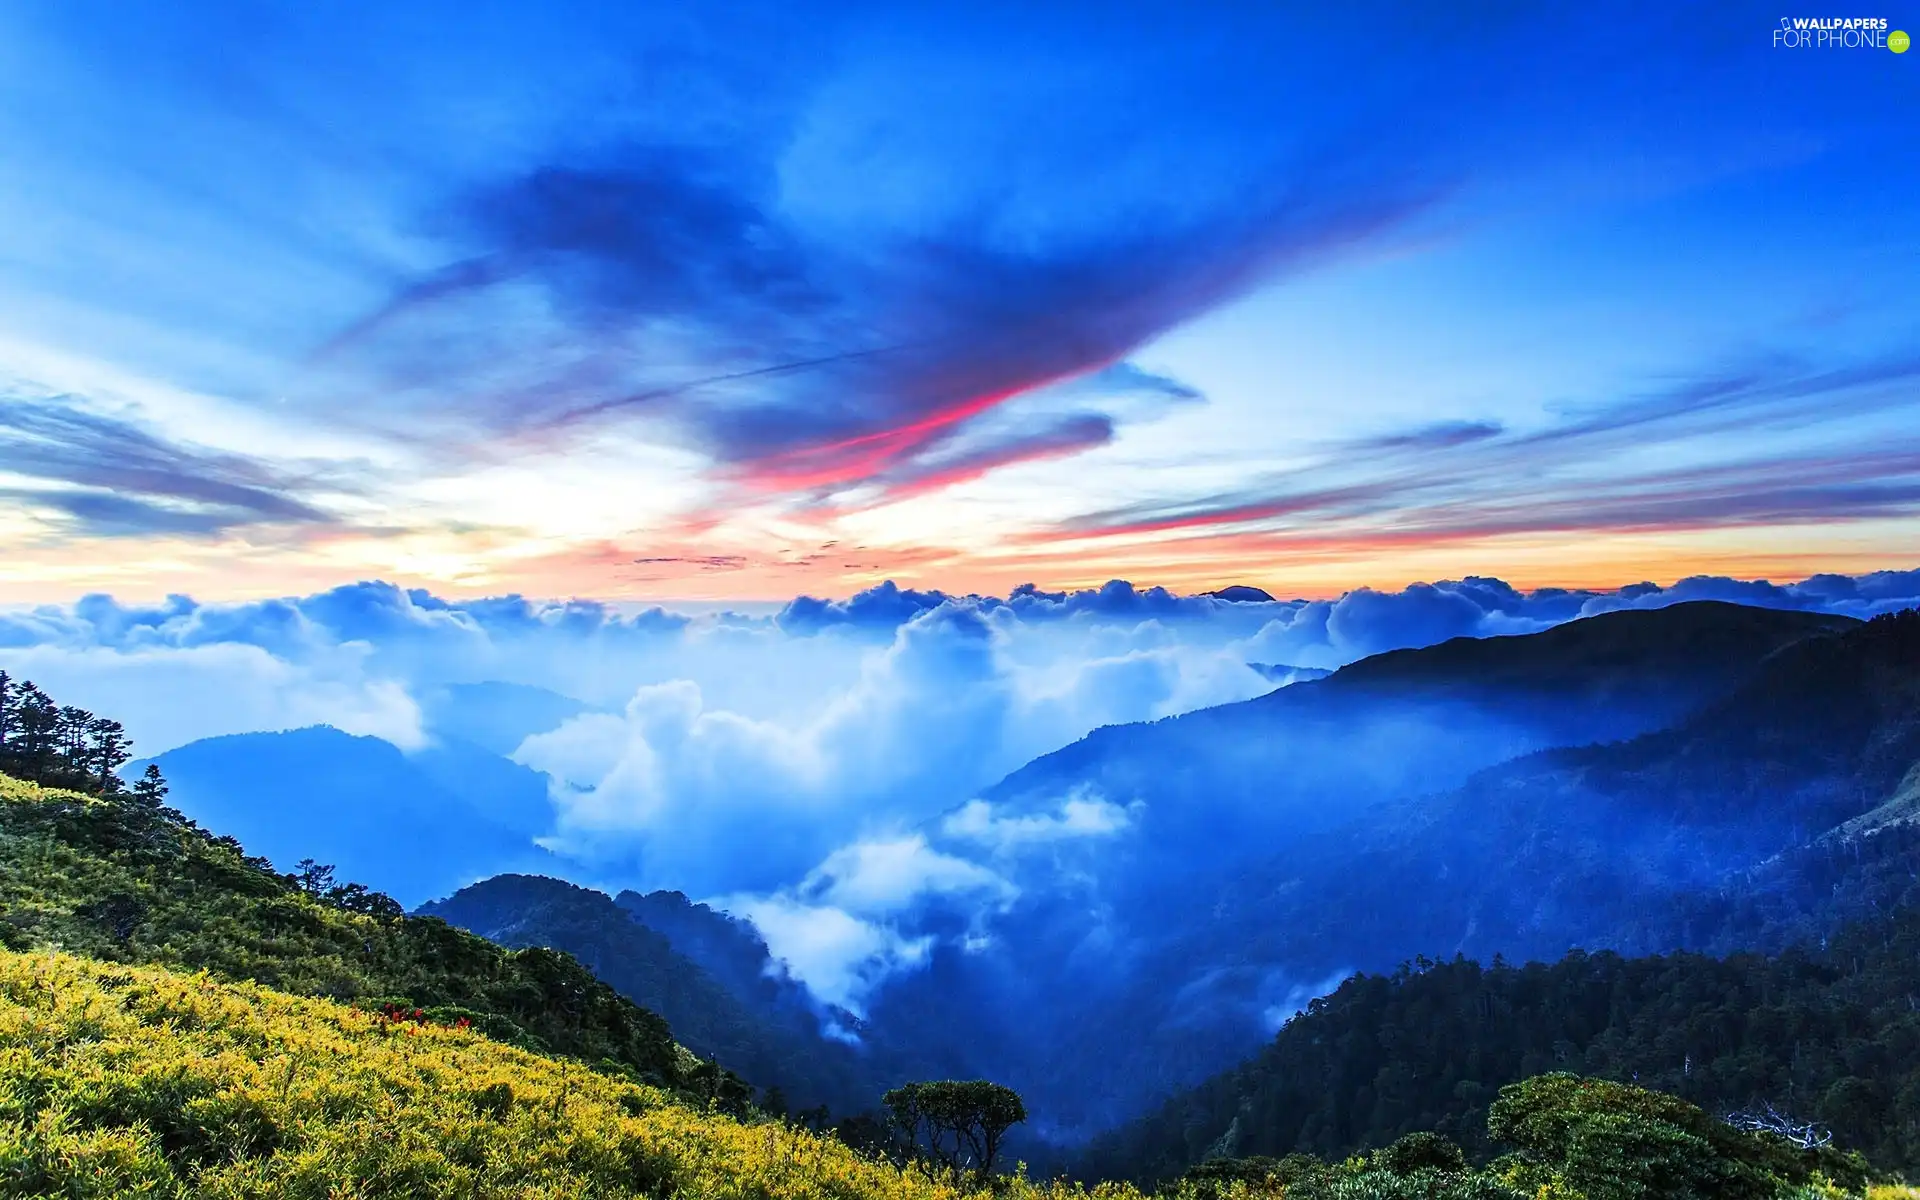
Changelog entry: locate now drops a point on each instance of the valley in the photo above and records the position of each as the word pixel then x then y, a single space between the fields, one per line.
pixel 1702 779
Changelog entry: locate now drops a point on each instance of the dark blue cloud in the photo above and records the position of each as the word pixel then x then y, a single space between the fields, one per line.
pixel 860 364
pixel 109 477
pixel 1436 436
pixel 886 606
pixel 809 300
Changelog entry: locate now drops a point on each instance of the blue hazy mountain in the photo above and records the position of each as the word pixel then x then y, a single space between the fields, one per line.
pixel 1781 816
pixel 1240 593
pixel 1284 675
pixel 413 826
pixel 496 716
pixel 1271 845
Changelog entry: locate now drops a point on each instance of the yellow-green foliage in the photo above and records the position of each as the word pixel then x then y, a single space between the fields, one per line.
pixel 20 791
pixel 115 880
pixel 126 1081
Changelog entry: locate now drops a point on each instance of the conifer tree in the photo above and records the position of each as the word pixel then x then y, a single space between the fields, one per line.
pixel 150 790
pixel 108 749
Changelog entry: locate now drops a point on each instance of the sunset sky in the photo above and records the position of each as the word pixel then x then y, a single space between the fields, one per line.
pixel 739 302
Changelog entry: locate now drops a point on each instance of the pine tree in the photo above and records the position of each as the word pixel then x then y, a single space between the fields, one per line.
pixel 36 720
pixel 315 878
pixel 150 790
pixel 70 736
pixel 108 749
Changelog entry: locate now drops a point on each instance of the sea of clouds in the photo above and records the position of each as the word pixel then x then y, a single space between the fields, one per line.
pixel 814 768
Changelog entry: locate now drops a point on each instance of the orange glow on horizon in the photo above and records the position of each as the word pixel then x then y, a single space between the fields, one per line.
pixel 696 569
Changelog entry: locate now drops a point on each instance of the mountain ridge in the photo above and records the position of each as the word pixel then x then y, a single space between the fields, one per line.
pixel 1186 958
pixel 775 1045
pixel 363 804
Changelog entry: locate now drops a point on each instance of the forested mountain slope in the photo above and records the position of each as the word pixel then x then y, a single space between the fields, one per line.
pixel 767 1034
pixel 1829 1036
pixel 1271 847
pixel 1776 817
pixel 1634 845
pixel 1424 718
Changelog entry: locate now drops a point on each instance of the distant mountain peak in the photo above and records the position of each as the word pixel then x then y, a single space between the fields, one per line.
pixel 1240 593
pixel 1282 673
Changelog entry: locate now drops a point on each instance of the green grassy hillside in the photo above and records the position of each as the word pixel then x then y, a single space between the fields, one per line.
pixel 132 1081
pixel 127 1081
pixel 124 882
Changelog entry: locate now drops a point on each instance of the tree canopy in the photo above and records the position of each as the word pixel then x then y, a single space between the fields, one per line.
pixel 959 1124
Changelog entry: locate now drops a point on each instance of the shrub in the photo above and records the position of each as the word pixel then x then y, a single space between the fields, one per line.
pixel 1612 1141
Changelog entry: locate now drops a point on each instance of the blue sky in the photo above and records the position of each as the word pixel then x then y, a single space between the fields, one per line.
pixel 726 301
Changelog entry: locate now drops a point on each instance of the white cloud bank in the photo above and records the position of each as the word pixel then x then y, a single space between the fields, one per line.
pixel 817 768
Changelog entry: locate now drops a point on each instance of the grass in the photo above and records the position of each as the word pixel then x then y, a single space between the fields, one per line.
pixel 112 881
pixel 135 1081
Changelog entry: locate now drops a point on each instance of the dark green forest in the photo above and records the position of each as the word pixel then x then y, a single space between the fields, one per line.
pixel 1829 1036
pixel 59 745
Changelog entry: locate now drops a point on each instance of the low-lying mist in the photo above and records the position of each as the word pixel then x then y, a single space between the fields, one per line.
pixel 881 782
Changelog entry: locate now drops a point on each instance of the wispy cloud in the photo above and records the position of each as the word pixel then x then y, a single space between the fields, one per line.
pixel 670 290
pixel 109 477
pixel 1467 480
